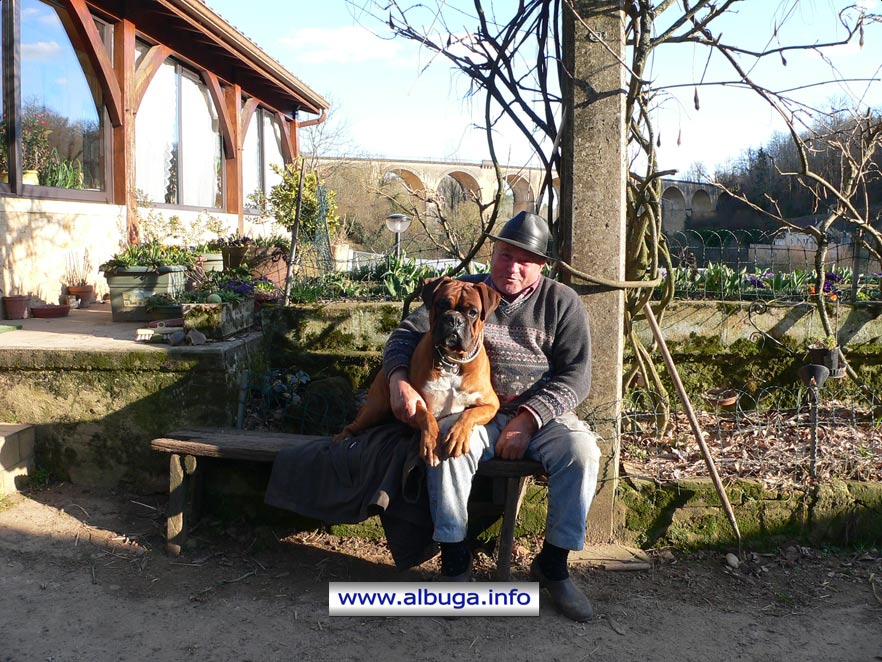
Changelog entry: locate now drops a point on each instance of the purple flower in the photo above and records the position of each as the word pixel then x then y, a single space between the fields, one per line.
pixel 756 281
pixel 833 278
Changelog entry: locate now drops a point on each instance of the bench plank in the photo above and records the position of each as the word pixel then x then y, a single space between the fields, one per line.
pixel 229 444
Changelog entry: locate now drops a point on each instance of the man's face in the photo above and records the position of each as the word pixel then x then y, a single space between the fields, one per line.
pixel 513 269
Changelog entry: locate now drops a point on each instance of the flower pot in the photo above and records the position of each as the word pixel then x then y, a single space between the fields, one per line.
pixel 85 293
pixel 829 358
pixel 233 256
pixel 218 320
pixel 269 262
pixel 50 310
pixel 31 177
pixel 130 287
pixel 16 306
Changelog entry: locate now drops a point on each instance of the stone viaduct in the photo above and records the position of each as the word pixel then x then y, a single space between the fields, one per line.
pixel 680 199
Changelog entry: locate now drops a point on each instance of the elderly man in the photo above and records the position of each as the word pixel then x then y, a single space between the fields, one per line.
pixel 539 346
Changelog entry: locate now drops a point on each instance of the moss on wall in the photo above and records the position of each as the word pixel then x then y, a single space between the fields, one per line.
pixel 688 514
pixel 96 412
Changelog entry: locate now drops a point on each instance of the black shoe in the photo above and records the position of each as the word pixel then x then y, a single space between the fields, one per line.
pixel 567 597
pixel 465 576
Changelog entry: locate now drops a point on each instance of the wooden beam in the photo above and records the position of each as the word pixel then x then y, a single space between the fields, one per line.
pixel 123 174
pixel 247 113
pixel 288 152
pixel 233 166
pixel 147 70
pixel 226 127
pixel 98 56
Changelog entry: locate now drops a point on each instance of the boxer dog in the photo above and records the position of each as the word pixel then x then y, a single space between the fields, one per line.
pixel 449 369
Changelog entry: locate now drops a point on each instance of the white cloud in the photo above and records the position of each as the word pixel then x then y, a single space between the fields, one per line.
pixel 40 50
pixel 344 45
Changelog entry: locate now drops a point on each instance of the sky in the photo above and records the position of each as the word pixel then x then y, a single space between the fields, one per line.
pixel 393 100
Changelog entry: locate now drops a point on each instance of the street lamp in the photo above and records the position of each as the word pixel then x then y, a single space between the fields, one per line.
pixel 397 223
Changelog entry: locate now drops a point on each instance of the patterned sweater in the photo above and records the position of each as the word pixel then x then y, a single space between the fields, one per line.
pixel 539 348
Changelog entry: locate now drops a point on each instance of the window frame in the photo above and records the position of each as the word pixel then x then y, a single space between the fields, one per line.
pixel 195 74
pixel 10 24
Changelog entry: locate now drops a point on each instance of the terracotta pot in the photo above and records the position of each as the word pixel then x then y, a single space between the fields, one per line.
pixel 16 306
pixel 85 293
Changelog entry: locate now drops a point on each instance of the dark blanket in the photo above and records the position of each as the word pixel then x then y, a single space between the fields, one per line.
pixel 375 473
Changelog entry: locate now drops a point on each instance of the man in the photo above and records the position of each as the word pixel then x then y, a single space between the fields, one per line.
pixel 539 346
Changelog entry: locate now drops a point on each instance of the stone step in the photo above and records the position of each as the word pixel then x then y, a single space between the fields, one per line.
pixel 16 456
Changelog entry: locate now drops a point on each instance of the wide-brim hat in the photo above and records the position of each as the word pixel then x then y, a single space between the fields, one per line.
pixel 529 232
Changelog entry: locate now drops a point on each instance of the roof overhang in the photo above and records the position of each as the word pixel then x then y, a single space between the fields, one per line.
pixel 198 34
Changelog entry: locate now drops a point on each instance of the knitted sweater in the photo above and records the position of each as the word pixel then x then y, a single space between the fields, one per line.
pixel 539 348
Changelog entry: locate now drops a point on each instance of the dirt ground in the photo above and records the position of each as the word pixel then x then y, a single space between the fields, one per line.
pixel 83 577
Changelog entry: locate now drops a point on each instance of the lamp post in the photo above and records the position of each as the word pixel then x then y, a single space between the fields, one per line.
pixel 397 223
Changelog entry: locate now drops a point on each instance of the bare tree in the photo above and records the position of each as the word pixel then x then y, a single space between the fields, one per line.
pixel 515 61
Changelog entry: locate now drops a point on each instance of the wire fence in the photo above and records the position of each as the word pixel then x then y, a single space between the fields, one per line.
pixel 748 265
pixel 780 435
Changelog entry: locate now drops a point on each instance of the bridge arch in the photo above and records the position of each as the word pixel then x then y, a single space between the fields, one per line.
pixel 702 204
pixel 524 199
pixel 469 184
pixel 410 179
pixel 673 210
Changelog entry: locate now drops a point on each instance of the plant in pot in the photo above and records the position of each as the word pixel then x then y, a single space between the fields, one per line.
pixel 16 304
pixel 223 304
pixel 317 206
pixel 77 278
pixel 142 270
pixel 825 351
pixel 35 150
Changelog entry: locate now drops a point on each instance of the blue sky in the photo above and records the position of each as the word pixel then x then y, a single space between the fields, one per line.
pixel 392 105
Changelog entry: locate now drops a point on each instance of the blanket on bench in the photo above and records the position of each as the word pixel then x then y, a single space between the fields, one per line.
pixel 378 472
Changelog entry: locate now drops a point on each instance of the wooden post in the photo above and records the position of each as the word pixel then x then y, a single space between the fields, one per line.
pixel 123 175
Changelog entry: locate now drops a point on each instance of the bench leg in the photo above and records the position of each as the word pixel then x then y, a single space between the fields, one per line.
pixel 514 494
pixel 183 500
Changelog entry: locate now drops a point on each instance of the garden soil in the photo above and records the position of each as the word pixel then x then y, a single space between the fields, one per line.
pixel 83 577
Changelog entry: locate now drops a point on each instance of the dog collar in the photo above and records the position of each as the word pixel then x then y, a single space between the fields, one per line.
pixel 450 364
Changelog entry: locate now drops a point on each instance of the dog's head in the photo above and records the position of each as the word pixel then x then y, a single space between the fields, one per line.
pixel 457 311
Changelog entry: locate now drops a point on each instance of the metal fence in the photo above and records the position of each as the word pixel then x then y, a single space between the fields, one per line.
pixel 748 265
pixel 778 435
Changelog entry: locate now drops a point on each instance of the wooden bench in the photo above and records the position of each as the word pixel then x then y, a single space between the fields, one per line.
pixel 185 447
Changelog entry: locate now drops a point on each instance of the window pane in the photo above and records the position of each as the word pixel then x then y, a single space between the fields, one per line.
pixel 62 103
pixel 272 150
pixel 200 146
pixel 251 160
pixel 156 138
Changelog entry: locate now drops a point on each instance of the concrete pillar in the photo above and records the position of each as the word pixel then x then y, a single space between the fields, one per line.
pixel 592 220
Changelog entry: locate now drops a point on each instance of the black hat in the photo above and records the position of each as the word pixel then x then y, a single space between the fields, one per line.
pixel 527 231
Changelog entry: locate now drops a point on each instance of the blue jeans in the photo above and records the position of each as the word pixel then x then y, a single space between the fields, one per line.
pixel 567 449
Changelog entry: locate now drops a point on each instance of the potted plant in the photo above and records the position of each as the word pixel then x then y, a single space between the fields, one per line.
pixel 77 278
pixel 223 304
pixel 825 351
pixel 34 144
pixel 142 270
pixel 16 305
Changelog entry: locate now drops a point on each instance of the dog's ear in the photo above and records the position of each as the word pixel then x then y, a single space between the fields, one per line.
pixel 429 287
pixel 490 299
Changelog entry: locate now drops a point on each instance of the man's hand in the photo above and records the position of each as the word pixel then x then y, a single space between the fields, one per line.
pixel 515 436
pixel 404 398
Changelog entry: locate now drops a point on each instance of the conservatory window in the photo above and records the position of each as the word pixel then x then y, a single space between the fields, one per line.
pixel 261 149
pixel 178 153
pixel 62 106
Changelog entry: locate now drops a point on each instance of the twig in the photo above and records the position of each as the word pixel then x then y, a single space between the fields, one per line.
pixel 88 516
pixel 138 503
